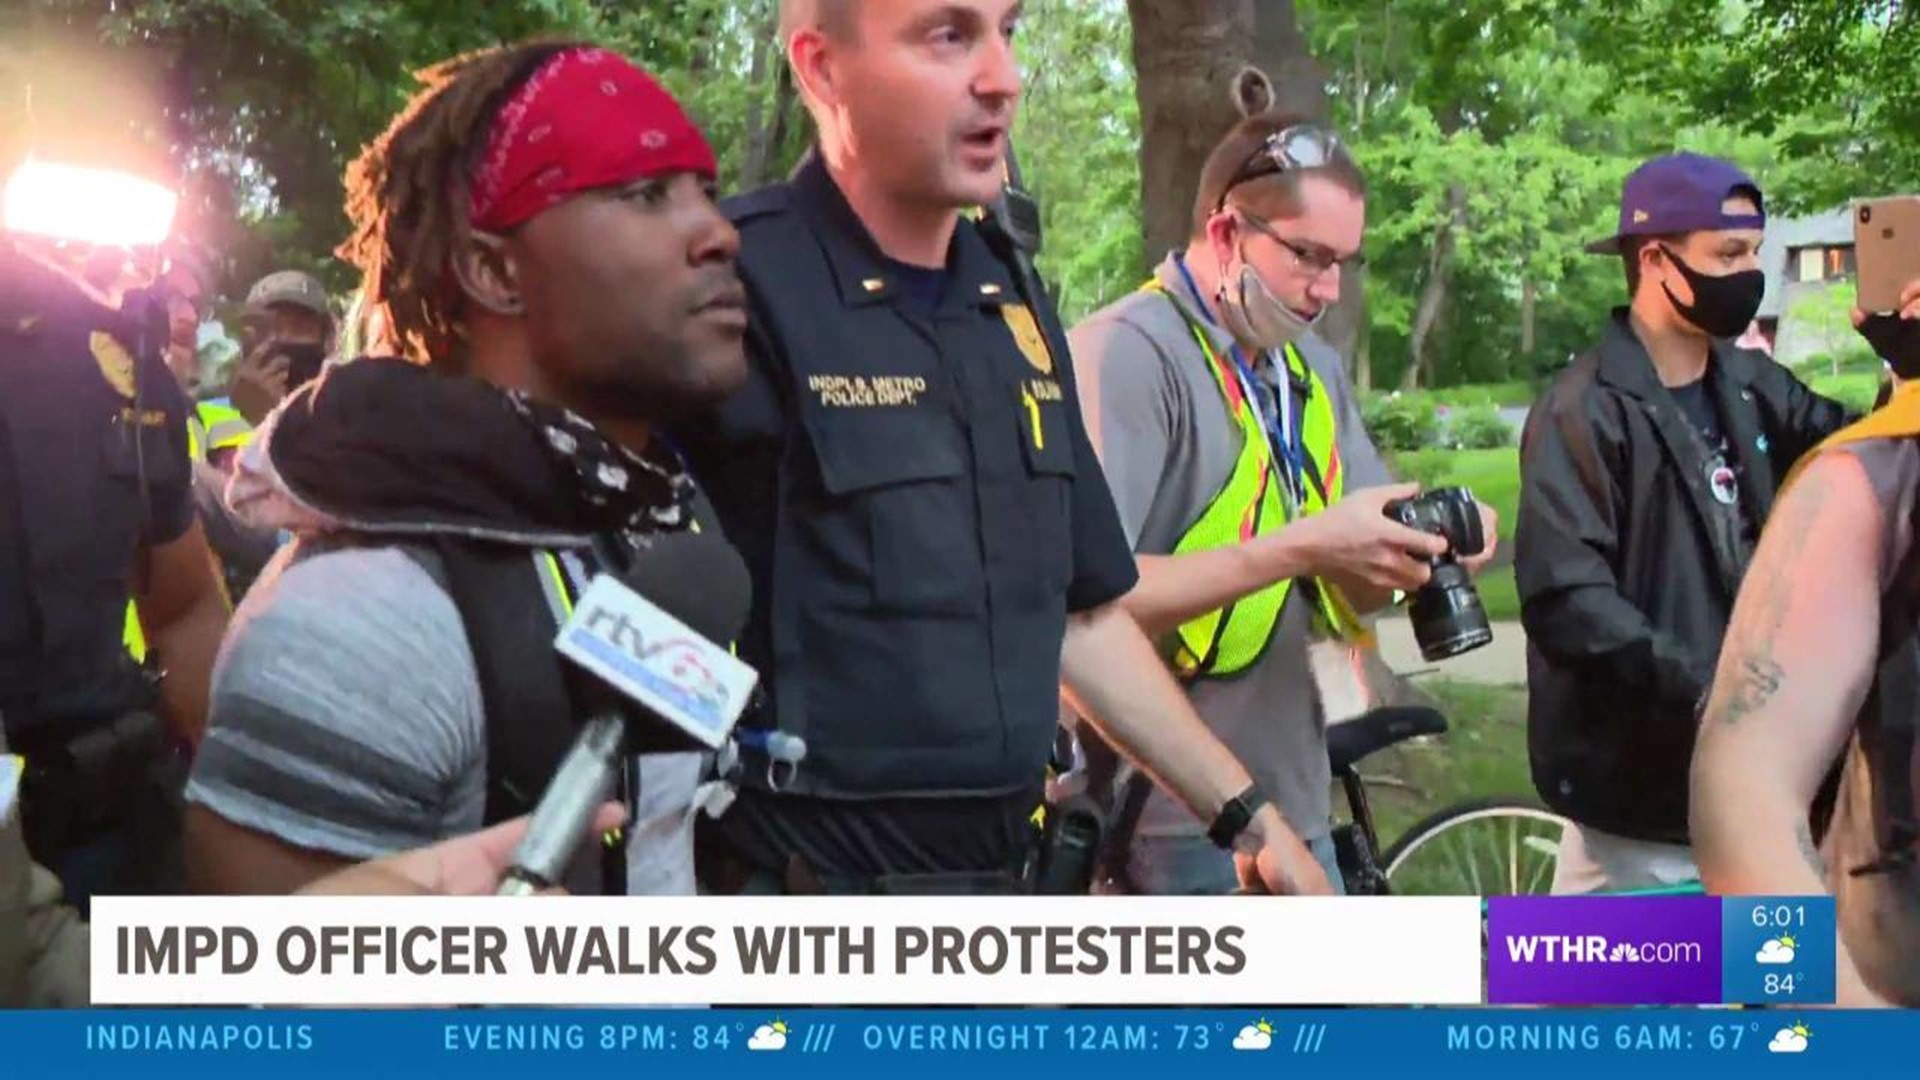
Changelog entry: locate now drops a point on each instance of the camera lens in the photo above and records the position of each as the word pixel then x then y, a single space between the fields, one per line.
pixel 1447 616
pixel 1866 215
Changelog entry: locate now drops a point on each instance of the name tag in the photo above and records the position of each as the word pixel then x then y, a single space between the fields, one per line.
pixel 1045 390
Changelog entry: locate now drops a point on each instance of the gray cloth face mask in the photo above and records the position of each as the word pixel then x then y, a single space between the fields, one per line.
pixel 1256 317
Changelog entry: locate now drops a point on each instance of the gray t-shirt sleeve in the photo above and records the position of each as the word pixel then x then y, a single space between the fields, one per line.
pixel 346 713
pixel 1138 404
pixel 1361 459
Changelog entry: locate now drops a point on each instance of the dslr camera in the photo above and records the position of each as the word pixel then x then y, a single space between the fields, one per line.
pixel 1448 618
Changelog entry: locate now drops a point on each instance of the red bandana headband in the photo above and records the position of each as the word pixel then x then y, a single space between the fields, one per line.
pixel 587 119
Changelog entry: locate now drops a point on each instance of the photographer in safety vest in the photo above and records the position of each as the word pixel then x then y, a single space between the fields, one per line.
pixel 1248 487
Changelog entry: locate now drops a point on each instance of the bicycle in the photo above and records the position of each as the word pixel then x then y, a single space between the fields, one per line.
pixel 1521 836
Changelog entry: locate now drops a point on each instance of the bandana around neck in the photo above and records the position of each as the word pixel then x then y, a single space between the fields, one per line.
pixel 651 493
pixel 387 446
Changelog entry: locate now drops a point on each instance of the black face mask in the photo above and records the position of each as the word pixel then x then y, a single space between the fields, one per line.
pixel 1724 306
pixel 1895 340
pixel 303 363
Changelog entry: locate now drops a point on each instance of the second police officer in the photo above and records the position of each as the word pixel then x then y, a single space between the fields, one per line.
pixel 932 543
pixel 95 509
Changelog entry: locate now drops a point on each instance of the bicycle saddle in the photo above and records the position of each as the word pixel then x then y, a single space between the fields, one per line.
pixel 1350 741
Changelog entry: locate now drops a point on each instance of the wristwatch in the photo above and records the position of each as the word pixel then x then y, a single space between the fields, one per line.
pixel 1235 816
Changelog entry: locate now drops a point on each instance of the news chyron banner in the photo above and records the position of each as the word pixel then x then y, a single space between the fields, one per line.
pixel 893 951
pixel 784 950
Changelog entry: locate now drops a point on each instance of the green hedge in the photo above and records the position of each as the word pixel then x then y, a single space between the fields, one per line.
pixel 1401 423
pixel 1479 428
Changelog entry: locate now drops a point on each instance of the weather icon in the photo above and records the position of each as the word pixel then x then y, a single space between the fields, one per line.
pixel 1778 950
pixel 1791 1040
pixel 1258 1036
pixel 769 1036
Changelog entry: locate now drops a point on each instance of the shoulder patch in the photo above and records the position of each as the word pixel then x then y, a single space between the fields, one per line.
pixel 761 202
pixel 116 364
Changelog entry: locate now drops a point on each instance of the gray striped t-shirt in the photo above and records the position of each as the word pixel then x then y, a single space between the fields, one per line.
pixel 347 718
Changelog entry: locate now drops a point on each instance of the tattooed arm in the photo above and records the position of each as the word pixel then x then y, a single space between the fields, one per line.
pixel 1797 663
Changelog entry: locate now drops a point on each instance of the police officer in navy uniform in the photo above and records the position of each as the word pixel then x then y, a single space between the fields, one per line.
pixel 908 475
pixel 95 508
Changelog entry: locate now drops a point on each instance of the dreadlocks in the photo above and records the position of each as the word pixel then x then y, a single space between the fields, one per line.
pixel 408 192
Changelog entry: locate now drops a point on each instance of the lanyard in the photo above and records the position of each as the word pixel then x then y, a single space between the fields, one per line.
pixel 1287 441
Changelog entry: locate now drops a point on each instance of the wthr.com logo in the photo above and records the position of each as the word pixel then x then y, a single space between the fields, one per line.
pixel 1545 950
pixel 1599 949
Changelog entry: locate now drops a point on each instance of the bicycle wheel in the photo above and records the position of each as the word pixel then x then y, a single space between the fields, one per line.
pixel 1487 847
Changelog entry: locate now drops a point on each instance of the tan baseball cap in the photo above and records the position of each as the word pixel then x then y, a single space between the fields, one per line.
pixel 289 287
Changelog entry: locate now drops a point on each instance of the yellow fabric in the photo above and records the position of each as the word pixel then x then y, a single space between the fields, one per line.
pixel 196 438
pixel 222 426
pixel 1898 418
pixel 550 563
pixel 1227 641
pixel 135 638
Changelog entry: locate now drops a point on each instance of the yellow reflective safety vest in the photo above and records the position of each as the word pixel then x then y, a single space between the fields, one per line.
pixel 134 636
pixel 1227 641
pixel 215 425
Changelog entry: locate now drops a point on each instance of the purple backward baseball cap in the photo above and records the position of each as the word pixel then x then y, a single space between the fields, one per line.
pixel 1681 193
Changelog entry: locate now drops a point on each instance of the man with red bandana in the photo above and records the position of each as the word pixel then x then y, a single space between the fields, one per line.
pixel 538 234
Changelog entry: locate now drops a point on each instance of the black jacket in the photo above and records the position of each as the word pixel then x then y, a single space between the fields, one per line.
pixel 1627 574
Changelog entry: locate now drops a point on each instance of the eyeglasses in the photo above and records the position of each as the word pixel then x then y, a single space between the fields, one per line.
pixel 1302 146
pixel 1313 259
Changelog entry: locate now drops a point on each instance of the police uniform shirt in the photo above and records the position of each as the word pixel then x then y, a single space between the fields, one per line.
pixel 73 447
pixel 908 477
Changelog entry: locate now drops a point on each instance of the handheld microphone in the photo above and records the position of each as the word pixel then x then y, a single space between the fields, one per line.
pixel 655 680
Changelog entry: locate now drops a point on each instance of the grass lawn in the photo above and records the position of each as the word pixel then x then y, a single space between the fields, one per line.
pixel 1855 385
pixel 1855 390
pixel 1483 755
pixel 1499 594
pixel 1494 476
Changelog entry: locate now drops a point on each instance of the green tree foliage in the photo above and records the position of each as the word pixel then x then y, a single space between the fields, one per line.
pixel 1832 82
pixel 268 100
pixel 1496 134
pixel 1076 139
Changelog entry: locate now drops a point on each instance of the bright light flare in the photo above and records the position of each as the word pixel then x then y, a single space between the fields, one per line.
pixel 91 206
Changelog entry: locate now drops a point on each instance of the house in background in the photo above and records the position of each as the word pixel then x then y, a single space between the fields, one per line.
pixel 1804 258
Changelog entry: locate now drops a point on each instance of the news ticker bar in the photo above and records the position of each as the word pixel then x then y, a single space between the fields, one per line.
pixel 1079 951
pixel 850 1044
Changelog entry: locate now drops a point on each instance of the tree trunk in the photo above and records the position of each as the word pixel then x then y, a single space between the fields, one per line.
pixel 759 145
pixel 1186 54
pixel 1433 294
pixel 783 146
pixel 1529 299
pixel 1363 351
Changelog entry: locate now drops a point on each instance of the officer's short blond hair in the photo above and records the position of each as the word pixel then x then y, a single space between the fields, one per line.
pixel 831 17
